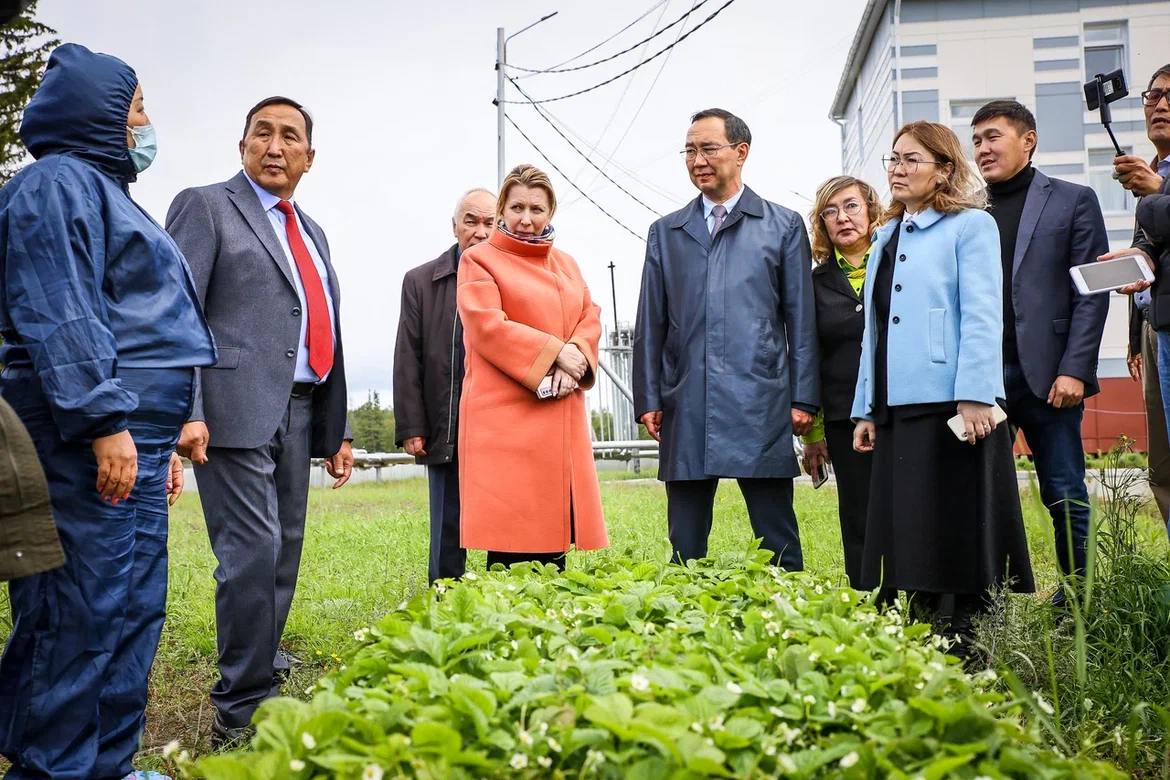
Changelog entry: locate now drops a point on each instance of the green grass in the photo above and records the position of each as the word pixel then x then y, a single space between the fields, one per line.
pixel 366 551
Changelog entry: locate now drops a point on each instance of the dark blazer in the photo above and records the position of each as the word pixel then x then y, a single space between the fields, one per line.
pixel 244 281
pixel 1153 237
pixel 840 325
pixel 725 342
pixel 1058 330
pixel 428 365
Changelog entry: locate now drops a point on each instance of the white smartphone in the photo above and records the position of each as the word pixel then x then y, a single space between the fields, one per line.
pixel 544 389
pixel 960 431
pixel 1094 278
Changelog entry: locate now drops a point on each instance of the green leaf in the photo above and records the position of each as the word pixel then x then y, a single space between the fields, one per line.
pixel 438 738
pixel 430 643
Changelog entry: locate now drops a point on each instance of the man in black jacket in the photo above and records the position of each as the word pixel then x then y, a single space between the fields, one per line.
pixel 1052 335
pixel 428 377
pixel 1148 179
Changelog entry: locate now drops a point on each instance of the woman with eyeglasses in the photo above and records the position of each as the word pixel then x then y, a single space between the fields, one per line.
pixel 843 217
pixel 944 512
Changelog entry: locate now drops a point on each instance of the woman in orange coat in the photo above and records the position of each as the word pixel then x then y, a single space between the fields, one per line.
pixel 528 486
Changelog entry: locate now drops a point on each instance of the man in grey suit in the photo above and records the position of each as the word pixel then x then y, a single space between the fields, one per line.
pixel 275 399
pixel 1051 334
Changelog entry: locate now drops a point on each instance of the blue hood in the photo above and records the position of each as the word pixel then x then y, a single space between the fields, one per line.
pixel 80 110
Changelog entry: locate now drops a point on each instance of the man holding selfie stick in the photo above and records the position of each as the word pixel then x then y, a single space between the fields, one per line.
pixel 1051 334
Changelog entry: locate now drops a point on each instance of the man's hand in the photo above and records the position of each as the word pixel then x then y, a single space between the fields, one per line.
pixel 1135 366
pixel 415 446
pixel 864 436
pixel 814 455
pixel 1136 287
pixel 174 479
pixel 1066 392
pixel 193 441
pixel 1136 175
pixel 801 421
pixel 117 462
pixel 340 466
pixel 572 362
pixel 653 423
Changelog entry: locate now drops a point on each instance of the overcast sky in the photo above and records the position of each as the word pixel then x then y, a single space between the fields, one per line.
pixel 401 94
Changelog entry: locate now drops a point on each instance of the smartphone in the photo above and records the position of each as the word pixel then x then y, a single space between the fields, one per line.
pixel 960 431
pixel 1094 278
pixel 820 475
pixel 545 389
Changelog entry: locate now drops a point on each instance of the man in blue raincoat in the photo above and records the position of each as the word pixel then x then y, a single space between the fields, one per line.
pixel 725 349
pixel 102 333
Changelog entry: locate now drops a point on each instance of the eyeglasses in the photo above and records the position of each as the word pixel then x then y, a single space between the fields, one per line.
pixel 709 151
pixel 851 208
pixel 910 164
pixel 1151 97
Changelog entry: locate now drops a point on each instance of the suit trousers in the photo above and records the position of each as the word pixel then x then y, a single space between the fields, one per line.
pixel 689 508
pixel 1157 441
pixel 1054 436
pixel 73 678
pixel 852 470
pixel 254 503
pixel 448 559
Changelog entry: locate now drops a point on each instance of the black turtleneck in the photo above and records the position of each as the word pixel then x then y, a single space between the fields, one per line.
pixel 1007 205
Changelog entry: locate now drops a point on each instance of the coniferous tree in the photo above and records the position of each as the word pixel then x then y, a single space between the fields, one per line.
pixel 24 50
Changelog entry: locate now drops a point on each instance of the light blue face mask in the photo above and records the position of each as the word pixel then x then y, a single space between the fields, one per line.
pixel 145 147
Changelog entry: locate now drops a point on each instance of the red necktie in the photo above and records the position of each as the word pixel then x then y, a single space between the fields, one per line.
pixel 319 333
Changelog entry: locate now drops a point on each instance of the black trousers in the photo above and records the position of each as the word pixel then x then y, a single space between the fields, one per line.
pixel 689 506
pixel 508 558
pixel 447 559
pixel 852 469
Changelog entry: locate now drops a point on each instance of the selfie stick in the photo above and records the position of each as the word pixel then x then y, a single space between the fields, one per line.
pixel 1106 116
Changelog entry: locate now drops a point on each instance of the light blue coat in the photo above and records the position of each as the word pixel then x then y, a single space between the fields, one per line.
pixel 948 342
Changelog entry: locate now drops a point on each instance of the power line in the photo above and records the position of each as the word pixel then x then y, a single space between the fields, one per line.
pixel 641 105
pixel 627 71
pixel 538 110
pixel 572 184
pixel 669 196
pixel 617 107
pixel 552 68
pixel 558 69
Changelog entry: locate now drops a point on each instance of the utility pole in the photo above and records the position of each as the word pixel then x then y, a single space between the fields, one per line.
pixel 613 292
pixel 500 42
pixel 501 80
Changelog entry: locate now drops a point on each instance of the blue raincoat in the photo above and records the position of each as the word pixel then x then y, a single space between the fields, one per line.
pixel 102 331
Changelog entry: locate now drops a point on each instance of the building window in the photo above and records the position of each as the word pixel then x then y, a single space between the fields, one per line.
pixel 1104 48
pixel 1114 198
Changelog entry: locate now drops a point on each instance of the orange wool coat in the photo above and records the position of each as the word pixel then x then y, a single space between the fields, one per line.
pixel 523 460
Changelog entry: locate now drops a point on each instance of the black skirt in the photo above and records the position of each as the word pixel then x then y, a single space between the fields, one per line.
pixel 944 516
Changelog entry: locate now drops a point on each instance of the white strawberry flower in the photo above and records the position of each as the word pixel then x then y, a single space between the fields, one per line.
pixel 849 760
pixel 372 772
pixel 307 740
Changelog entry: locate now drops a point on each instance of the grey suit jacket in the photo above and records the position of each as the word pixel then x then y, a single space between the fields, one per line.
pixel 245 284
pixel 1058 331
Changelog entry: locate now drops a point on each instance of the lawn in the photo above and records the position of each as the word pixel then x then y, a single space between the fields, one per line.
pixel 366 551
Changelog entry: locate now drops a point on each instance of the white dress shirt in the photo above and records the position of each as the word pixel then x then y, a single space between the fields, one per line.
pixel 709 206
pixel 268 202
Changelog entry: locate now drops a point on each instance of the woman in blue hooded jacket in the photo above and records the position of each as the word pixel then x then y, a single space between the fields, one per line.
pixel 102 333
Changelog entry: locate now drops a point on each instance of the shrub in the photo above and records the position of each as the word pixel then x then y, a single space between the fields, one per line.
pixel 726 668
pixel 1105 664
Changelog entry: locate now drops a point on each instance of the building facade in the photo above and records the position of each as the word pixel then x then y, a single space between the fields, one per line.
pixel 940 60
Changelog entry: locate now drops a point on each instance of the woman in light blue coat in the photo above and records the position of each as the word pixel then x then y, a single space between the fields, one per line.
pixel 944 514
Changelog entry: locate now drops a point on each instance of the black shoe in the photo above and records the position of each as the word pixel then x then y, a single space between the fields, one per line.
pixel 224 737
pixel 282 667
